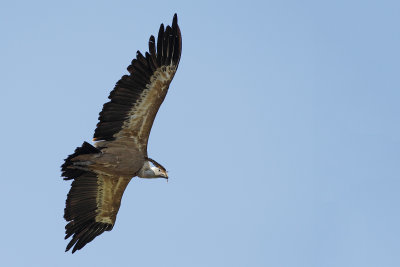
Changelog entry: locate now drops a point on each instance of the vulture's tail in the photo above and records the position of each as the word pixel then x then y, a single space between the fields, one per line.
pixel 71 173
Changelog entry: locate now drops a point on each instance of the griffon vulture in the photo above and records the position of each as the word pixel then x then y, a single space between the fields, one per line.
pixel 100 173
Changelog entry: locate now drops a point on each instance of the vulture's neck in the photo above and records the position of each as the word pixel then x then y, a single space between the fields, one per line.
pixel 147 173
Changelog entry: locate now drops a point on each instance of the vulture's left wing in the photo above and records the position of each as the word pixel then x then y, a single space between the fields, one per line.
pixel 136 98
pixel 92 206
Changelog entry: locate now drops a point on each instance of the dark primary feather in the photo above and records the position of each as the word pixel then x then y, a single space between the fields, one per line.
pixel 160 45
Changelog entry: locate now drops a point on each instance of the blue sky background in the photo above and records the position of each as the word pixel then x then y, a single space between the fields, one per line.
pixel 280 132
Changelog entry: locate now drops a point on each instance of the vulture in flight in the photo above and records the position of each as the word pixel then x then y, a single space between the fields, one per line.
pixel 101 173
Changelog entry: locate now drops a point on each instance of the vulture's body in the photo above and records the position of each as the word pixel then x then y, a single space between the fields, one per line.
pixel 100 173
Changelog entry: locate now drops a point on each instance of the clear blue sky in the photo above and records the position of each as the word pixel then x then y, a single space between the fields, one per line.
pixel 281 132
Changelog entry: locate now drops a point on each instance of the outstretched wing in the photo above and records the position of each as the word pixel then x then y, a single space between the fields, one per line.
pixel 136 98
pixel 92 206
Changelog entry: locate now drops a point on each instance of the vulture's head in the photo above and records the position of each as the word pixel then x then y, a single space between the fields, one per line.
pixel 159 172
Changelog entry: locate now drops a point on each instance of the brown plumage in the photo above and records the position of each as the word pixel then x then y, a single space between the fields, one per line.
pixel 100 173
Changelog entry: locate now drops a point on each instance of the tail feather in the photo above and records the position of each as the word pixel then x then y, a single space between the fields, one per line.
pixel 72 173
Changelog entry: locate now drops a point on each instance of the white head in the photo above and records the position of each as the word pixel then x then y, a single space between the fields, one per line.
pixel 159 173
pixel 152 172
